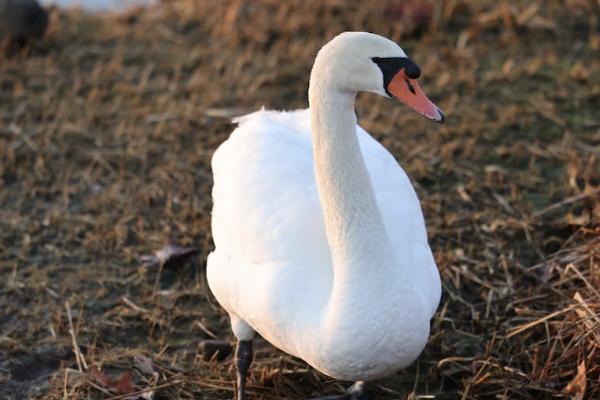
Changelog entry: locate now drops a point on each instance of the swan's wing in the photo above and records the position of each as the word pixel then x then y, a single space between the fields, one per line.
pixel 268 227
pixel 266 206
pixel 403 218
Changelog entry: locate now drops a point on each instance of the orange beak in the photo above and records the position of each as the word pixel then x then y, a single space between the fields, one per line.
pixel 409 92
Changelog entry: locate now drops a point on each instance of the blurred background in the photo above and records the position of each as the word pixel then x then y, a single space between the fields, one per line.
pixel 99 5
pixel 108 120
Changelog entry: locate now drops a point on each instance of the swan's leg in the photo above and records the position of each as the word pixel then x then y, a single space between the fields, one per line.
pixel 243 359
pixel 243 352
pixel 354 392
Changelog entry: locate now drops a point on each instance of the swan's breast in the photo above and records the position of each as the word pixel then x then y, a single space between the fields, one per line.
pixel 386 335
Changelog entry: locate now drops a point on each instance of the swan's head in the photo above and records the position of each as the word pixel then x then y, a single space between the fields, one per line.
pixel 362 61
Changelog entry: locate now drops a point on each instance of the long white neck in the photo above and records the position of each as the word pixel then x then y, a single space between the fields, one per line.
pixel 360 248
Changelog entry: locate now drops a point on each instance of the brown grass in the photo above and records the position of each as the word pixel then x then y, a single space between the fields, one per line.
pixel 107 127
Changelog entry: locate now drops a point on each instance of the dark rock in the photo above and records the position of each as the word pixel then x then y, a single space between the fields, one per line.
pixel 219 349
pixel 27 375
pixel 21 21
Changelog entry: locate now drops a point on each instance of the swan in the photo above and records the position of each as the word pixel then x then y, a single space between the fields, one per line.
pixel 320 241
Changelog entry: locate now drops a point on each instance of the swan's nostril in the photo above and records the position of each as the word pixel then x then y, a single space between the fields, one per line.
pixel 410 86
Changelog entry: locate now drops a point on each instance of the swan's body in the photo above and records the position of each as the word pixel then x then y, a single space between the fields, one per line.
pixel 320 240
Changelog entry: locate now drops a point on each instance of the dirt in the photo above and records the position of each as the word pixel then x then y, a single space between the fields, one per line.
pixel 107 126
pixel 30 372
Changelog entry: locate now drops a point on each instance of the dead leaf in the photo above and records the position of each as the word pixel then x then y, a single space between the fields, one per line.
pixel 578 384
pixel 144 364
pixel 102 378
pixel 123 385
pixel 170 254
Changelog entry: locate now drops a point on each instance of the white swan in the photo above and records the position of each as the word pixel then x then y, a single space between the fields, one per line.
pixel 320 240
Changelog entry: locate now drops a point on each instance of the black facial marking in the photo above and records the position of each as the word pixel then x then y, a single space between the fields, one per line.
pixel 391 65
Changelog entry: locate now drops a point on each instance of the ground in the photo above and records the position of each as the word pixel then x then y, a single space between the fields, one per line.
pixel 107 126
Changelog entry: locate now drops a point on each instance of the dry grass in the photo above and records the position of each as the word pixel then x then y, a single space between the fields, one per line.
pixel 106 132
